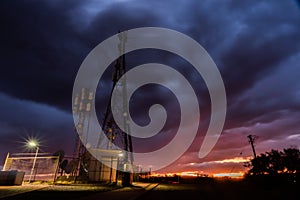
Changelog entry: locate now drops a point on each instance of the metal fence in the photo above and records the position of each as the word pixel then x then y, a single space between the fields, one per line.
pixel 37 168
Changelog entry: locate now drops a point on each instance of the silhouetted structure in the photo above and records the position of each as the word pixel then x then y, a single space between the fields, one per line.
pixel 115 135
pixel 251 141
pixel 115 160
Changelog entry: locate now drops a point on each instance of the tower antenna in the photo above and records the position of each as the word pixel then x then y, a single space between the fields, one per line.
pixel 109 126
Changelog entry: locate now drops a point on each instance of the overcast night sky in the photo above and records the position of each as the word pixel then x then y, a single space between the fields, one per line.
pixel 255 45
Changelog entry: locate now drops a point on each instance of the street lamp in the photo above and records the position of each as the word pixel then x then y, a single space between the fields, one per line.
pixel 33 144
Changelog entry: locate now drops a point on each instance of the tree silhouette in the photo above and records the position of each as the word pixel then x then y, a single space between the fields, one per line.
pixel 71 167
pixel 63 165
pixel 274 163
pixel 60 154
pixel 291 160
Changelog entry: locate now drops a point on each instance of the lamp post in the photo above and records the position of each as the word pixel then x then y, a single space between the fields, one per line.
pixel 33 144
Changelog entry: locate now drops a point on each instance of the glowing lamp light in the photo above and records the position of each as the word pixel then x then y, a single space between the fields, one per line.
pixel 32 143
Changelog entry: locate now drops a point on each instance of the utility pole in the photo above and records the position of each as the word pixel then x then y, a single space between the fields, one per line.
pixel 251 141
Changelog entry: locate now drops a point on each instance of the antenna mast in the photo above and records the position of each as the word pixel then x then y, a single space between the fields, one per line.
pixel 109 126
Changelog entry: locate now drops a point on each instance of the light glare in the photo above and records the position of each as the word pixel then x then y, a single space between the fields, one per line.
pixel 32 144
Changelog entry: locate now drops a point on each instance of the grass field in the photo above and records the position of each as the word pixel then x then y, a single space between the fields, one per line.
pixel 206 188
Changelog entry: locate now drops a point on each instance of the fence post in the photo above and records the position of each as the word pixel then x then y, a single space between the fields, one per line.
pixel 5 163
pixel 56 169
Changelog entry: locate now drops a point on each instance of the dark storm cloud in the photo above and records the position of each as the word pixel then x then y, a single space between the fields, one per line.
pixel 267 37
pixel 254 44
pixel 50 46
pixel 265 100
pixel 23 113
pixel 40 51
